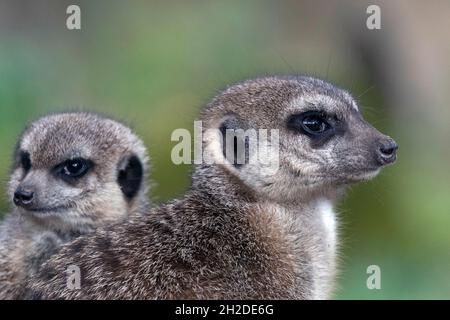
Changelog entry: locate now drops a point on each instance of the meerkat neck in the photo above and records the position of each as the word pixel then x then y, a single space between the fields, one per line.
pixel 221 185
pixel 311 216
pixel 56 225
pixel 225 187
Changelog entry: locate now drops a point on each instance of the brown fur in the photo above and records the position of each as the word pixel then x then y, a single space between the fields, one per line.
pixel 237 233
pixel 29 236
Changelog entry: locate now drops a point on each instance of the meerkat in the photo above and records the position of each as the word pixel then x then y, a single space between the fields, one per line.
pixel 240 231
pixel 72 172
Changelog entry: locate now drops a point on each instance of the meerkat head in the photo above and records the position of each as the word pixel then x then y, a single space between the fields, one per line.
pixel 77 170
pixel 320 143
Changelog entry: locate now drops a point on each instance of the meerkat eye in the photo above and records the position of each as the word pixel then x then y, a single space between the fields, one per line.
pixel 25 161
pixel 311 123
pixel 74 168
pixel 314 124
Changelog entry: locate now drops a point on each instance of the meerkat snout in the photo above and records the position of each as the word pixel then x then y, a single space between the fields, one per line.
pixel 23 197
pixel 339 122
pixel 34 185
pixel 387 151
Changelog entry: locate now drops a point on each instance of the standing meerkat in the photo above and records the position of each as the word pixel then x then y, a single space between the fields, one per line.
pixel 240 232
pixel 72 172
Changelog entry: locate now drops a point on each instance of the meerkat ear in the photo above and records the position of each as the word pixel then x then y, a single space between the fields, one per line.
pixel 130 175
pixel 235 141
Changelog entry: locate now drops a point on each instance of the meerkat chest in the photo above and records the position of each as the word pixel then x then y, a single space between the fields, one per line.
pixel 316 223
pixel 327 221
pixel 311 233
pixel 323 234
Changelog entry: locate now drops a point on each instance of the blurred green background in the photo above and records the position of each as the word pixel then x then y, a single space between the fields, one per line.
pixel 153 65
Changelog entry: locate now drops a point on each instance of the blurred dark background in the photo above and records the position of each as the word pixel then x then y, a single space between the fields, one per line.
pixel 153 64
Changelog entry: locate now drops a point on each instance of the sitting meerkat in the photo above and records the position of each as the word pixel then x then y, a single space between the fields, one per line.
pixel 240 231
pixel 72 172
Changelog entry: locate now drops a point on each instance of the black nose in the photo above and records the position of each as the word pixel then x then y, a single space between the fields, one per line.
pixel 387 151
pixel 23 197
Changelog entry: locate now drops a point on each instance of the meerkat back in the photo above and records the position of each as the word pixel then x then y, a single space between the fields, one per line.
pixel 72 172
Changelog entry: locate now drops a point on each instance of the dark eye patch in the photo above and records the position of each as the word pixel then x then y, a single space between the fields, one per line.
pixel 25 161
pixel 73 169
pixel 317 125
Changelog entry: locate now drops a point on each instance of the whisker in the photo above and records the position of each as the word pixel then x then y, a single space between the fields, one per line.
pixel 365 91
pixel 287 64
pixel 329 64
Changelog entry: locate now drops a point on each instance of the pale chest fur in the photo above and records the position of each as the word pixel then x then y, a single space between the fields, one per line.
pixel 311 232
